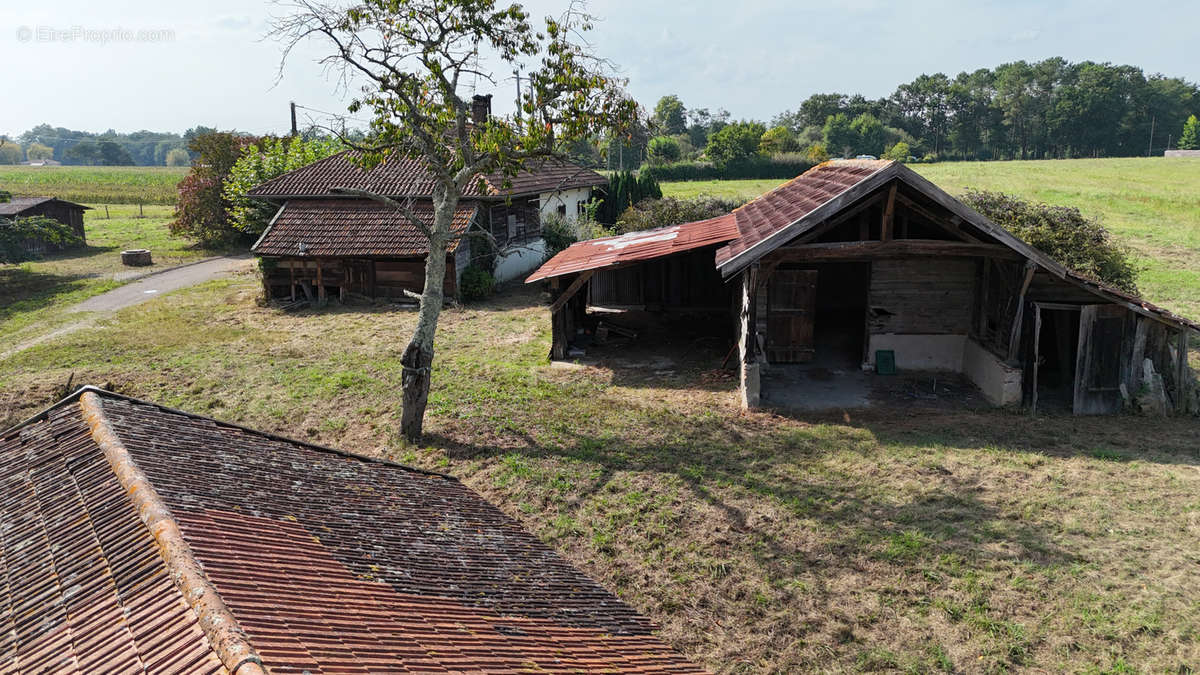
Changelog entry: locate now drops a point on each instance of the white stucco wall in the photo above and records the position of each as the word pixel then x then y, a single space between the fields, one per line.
pixel 921 352
pixel 520 261
pixel 999 382
pixel 550 201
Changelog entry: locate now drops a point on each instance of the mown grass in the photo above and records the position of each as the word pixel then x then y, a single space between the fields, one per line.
pixel 95 184
pixel 1151 204
pixel 36 293
pixel 921 541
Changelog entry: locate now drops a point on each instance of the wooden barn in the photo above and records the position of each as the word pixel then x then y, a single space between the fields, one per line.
pixel 67 213
pixel 863 266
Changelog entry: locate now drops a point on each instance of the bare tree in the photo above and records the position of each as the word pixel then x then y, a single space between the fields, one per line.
pixel 413 58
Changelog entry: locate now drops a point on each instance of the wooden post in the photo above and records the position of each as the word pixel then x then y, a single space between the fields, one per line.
pixel 320 285
pixel 889 216
pixel 1181 404
pixel 983 298
pixel 571 291
pixel 1014 337
pixel 292 278
pixel 749 370
pixel 1037 352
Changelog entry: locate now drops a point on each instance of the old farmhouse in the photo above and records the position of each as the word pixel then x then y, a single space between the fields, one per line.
pixel 138 538
pixel 863 265
pixel 321 243
pixel 67 213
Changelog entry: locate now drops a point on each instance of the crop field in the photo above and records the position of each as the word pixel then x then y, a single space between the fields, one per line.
pixel 95 184
pixel 1151 204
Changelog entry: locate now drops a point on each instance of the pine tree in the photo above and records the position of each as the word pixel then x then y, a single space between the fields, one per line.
pixel 1190 139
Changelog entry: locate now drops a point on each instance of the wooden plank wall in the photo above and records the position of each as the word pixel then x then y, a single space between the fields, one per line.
pixel 922 297
pixel 371 278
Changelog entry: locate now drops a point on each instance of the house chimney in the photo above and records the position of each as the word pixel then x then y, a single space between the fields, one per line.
pixel 481 108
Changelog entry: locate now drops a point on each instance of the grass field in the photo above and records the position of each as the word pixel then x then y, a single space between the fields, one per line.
pixel 95 184
pixel 919 542
pixel 36 293
pixel 1152 204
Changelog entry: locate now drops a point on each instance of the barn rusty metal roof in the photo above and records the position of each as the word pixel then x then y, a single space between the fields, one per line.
pixel 352 227
pixel 635 246
pixel 18 205
pixel 400 176
pixel 325 561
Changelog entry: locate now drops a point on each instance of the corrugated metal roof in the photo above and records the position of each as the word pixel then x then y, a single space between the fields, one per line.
pixel 409 177
pixel 351 227
pixel 328 562
pixel 634 246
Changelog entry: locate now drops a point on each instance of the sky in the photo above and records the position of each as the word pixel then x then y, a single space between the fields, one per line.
pixel 165 65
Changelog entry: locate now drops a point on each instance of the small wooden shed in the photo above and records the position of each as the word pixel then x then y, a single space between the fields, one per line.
pixel 67 213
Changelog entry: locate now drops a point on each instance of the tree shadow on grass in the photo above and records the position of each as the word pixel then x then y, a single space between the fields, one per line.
pixel 26 290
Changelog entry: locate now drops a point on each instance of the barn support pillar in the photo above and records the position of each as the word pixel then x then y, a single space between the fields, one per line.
pixel 749 367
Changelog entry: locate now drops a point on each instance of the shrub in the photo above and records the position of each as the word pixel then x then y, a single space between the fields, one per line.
pixel 898 152
pixel 1190 138
pixel 651 213
pixel 817 153
pixel 778 140
pixel 177 157
pixel 625 189
pixel 734 143
pixel 663 149
pixel 476 284
pixel 1063 233
pixel 14 233
pixel 261 162
pixel 557 233
pixel 787 165
pixel 201 211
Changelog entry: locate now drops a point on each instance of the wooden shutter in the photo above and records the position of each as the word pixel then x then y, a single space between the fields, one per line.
pixel 792 299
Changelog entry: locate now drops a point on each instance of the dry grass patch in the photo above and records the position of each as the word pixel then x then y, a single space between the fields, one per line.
pixel 919 541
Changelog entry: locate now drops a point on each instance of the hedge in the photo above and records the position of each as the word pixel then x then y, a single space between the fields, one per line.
pixel 773 167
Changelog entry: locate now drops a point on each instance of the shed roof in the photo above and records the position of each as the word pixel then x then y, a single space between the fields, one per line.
pixel 637 246
pixel 400 176
pixel 18 205
pixel 351 227
pixel 299 558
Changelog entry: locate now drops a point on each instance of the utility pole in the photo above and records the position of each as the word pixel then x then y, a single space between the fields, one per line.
pixel 517 74
pixel 293 106
pixel 1150 150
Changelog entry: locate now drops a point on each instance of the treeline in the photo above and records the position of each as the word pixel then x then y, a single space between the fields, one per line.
pixel 1021 110
pixel 109 148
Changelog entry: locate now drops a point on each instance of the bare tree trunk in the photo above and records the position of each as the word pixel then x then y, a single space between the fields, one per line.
pixel 418 356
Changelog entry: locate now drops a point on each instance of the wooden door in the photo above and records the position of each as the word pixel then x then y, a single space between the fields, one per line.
pixel 791 304
pixel 1101 359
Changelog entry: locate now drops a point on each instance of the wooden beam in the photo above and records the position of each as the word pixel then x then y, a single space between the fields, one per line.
pixel 1014 337
pixel 838 219
pixel 570 291
pixel 1181 374
pixel 889 215
pixel 1037 334
pixel 952 226
pixel 897 248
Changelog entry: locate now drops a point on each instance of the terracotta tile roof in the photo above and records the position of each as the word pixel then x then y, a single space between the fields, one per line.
pixel 399 176
pixel 634 246
pixel 351 227
pixel 795 199
pixel 18 205
pixel 328 562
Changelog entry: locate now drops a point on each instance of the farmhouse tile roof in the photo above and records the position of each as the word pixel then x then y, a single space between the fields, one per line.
pixel 18 205
pixel 636 246
pixel 351 227
pixel 406 177
pixel 140 538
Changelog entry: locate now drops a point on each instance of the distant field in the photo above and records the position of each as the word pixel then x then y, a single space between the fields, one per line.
pixel 1152 204
pixel 95 184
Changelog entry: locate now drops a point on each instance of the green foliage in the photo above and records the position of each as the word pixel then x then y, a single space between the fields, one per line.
pixel 652 213
pixel 10 153
pixel 776 140
pixel 40 230
pixel 1063 233
pixel 5 196
pixel 898 152
pixel 670 117
pixel 1190 138
pixel 177 157
pixel 624 190
pixel 557 233
pixel 788 165
pixel 202 212
pixel 102 153
pixel 35 151
pixel 261 162
pixel 476 284
pixel 735 142
pixel 663 149
pixel 840 137
pixel 816 153
pixel 870 134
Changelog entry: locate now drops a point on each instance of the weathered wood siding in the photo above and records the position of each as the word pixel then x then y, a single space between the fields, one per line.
pixel 367 277
pixel 921 297
pixel 686 281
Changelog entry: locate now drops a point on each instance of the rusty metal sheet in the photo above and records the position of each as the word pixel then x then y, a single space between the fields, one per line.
pixel 605 252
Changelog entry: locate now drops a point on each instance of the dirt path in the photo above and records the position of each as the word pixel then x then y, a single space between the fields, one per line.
pixel 136 292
